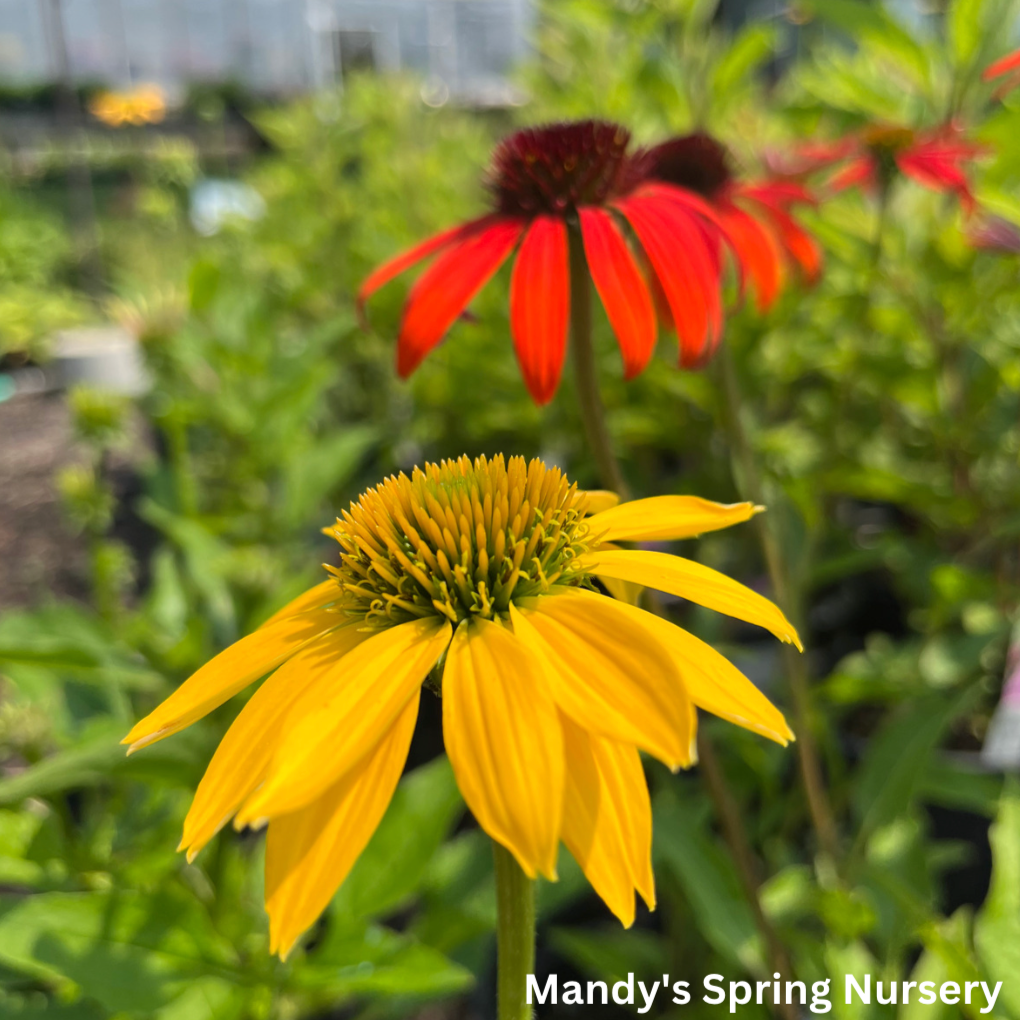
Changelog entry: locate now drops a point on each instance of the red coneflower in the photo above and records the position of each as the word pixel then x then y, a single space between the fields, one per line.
pixel 755 219
pixel 1008 67
pixel 871 159
pixel 553 188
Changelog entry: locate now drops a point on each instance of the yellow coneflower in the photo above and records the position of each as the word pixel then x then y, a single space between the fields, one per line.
pixel 476 578
pixel 145 104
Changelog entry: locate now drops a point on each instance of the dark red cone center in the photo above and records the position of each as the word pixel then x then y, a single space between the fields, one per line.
pixel 558 167
pixel 696 162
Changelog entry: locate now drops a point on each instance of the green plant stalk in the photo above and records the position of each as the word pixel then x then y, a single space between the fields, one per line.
pixel 748 479
pixel 515 935
pixel 180 465
pixel 593 414
pixel 728 811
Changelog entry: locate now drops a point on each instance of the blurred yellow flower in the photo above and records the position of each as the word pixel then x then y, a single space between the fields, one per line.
pixel 477 579
pixel 145 104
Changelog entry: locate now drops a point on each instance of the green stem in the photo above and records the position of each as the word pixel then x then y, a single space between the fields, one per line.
pixel 600 444
pixel 515 935
pixel 593 414
pixel 180 463
pixel 728 811
pixel 745 470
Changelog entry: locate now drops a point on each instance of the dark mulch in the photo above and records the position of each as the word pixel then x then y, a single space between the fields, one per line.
pixel 40 557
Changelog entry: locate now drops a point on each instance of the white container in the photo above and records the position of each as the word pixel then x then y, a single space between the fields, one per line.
pixel 104 357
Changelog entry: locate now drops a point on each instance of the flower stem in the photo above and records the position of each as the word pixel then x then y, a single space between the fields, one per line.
pixel 515 935
pixel 593 414
pixel 728 812
pixel 611 476
pixel 749 483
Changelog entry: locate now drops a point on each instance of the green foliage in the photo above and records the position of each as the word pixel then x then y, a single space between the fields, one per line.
pixel 882 410
pixel 36 261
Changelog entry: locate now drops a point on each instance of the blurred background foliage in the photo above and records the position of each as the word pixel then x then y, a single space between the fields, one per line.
pixel 881 409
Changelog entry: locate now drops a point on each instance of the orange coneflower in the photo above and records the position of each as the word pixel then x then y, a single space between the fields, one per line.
pixel 755 218
pixel 145 104
pixel 1008 67
pixel 475 577
pixel 548 183
pixel 870 159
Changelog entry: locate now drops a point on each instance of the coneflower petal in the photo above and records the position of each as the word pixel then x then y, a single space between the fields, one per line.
pixel 861 170
pixel 758 253
pixel 675 245
pixel 600 499
pixel 229 672
pixel 322 594
pixel 666 518
pixel 621 288
pixel 607 673
pixel 540 306
pixel 394 267
pixel 310 852
pixel 607 819
pixel 343 714
pixel 504 741
pixel 245 752
pixel 448 285
pixel 797 243
pixel 938 168
pixel 711 680
pixel 693 581
pixel 1003 65
pixel 779 194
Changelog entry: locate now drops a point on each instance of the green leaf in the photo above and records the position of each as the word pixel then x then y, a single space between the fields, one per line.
pixel 946 957
pixel 841 960
pixel 203 283
pixel 101 755
pixel 954 784
pixel 753 47
pixel 206 557
pixel 207 998
pixel 378 961
pixel 997 928
pixel 393 865
pixel 870 24
pixel 17 830
pixel 709 882
pixel 611 953
pixel 23 1007
pixel 73 643
pixel 313 474
pixel 127 951
pixel 964 29
pixel 898 757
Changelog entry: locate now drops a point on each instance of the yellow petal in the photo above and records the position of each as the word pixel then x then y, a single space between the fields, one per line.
pixel 712 681
pixel 342 715
pixel 504 741
pixel 689 580
pixel 600 499
pixel 229 672
pixel 608 673
pixel 310 852
pixel 622 591
pixel 607 819
pixel 321 595
pixel 242 759
pixel 661 518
